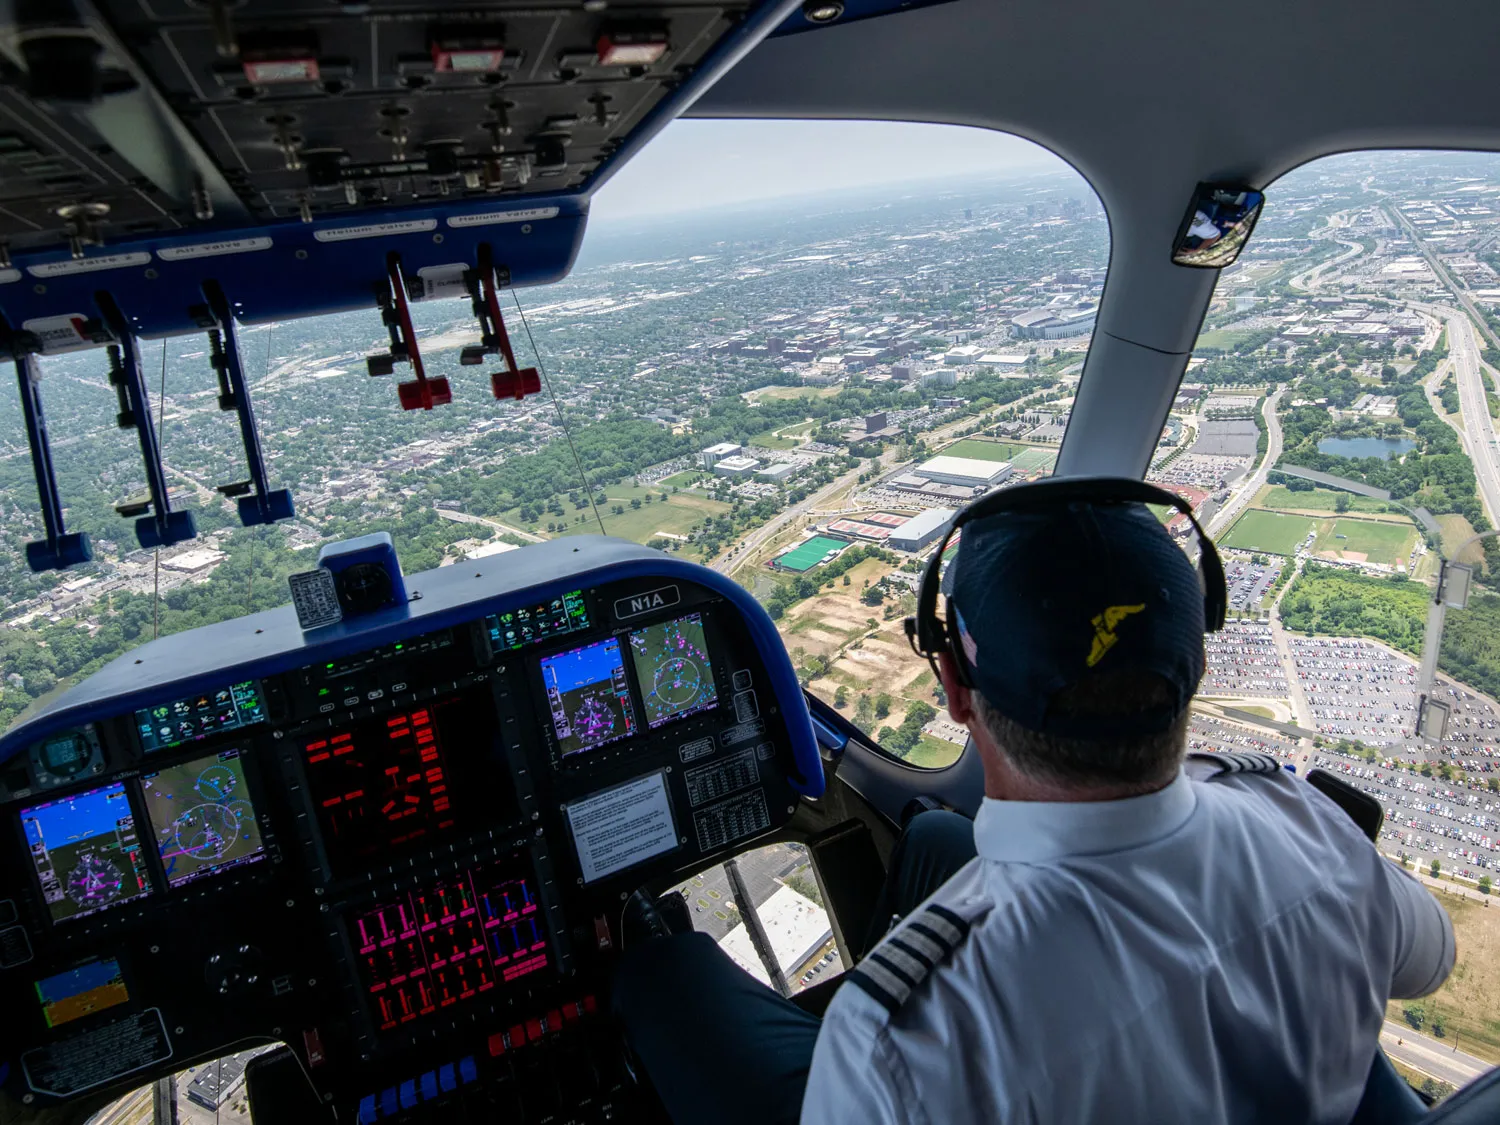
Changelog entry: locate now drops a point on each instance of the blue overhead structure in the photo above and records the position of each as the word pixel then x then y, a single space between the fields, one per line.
pixel 198 166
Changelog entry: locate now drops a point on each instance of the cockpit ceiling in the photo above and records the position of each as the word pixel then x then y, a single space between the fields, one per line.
pixel 133 119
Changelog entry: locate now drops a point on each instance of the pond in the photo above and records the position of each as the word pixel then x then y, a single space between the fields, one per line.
pixel 1383 447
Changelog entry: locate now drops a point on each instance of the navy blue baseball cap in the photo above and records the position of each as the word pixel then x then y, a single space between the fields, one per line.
pixel 1044 598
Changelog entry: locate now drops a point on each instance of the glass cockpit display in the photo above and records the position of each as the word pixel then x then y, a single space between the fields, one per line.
pixel 447 941
pixel 198 716
pixel 202 816
pixel 85 852
pixel 81 992
pixel 517 628
pixel 588 696
pixel 405 780
pixel 673 668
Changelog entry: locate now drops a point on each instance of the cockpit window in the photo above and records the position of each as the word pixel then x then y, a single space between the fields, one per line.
pixel 1336 430
pixel 791 362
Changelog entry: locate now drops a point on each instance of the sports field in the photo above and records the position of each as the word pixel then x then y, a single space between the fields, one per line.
pixel 1282 499
pixel 1272 532
pixel 981 450
pixel 809 554
pixel 1387 543
pixel 1030 459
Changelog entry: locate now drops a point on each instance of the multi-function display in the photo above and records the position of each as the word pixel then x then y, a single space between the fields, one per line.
pixel 202 816
pixel 85 852
pixel 672 666
pixel 405 780
pixel 448 941
pixel 198 716
pixel 588 696
pixel 517 628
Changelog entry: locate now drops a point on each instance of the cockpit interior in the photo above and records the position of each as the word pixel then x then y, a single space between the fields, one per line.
pixel 388 829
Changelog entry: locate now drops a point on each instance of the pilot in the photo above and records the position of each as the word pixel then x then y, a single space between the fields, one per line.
pixel 1120 935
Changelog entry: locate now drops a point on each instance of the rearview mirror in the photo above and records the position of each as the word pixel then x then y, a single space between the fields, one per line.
pixel 1217 226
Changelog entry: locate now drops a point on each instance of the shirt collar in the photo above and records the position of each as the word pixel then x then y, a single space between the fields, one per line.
pixel 1037 831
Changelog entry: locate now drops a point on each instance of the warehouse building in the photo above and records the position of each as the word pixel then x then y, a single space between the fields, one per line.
pixel 922 529
pixel 966 472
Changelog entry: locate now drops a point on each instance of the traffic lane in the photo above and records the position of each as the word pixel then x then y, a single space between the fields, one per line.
pixel 1430 1056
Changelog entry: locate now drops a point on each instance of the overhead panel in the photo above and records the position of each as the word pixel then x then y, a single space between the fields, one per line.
pixel 144 142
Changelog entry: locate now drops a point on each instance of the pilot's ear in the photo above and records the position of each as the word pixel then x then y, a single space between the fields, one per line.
pixel 960 706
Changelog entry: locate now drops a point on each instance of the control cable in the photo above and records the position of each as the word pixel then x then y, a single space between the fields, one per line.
pixel 561 417
pixel 161 413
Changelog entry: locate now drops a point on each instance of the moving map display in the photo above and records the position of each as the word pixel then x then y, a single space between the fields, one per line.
pixel 588 696
pixel 198 716
pixel 674 670
pixel 202 816
pixel 85 852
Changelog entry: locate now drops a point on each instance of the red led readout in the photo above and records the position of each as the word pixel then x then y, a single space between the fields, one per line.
pixel 380 787
pixel 448 941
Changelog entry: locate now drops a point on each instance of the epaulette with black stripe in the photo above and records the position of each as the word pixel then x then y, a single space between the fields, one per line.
pixel 895 967
pixel 1211 767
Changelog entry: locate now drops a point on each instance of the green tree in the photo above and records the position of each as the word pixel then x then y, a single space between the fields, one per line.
pixel 1484 884
pixel 841 697
pixel 882 705
pixel 1341 502
pixel 864 711
pixel 1435 869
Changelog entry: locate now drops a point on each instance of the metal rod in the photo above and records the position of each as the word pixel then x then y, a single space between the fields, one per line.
pixel 264 506
pixel 754 928
pixel 163 526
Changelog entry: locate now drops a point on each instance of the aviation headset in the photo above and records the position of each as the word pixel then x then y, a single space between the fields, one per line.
pixel 929 634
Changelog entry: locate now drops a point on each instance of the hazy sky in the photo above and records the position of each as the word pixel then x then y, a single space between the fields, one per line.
pixel 697 164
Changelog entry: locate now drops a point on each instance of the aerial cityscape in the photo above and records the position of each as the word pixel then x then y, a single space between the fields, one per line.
pixel 802 394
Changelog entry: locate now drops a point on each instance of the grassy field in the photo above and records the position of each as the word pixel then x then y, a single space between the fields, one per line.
pixel 676 515
pixel 1282 499
pixel 1272 532
pixel 1388 543
pixel 791 392
pixel 1226 338
pixel 1032 458
pixel 789 437
pixel 680 480
pixel 1469 1001
pixel 1457 530
pixel 981 450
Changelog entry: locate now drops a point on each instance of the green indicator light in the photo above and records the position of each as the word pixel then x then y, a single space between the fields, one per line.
pixel 324 691
pixel 400 647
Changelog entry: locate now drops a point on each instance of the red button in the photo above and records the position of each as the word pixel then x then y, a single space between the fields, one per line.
pixel 533 1029
pixel 589 1004
pixel 572 1011
pixel 554 1020
pixel 516 1036
pixel 497 1044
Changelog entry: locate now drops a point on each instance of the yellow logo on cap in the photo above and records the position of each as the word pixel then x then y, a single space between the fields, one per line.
pixel 1104 629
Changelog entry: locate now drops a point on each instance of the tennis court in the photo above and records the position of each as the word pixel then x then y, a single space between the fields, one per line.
pixel 807 555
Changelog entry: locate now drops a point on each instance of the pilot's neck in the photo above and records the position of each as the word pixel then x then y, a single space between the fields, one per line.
pixel 1003 782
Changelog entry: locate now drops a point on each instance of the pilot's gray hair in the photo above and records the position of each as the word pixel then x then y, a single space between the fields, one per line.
pixel 1148 760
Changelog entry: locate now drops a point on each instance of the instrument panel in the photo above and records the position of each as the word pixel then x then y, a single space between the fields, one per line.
pixel 399 845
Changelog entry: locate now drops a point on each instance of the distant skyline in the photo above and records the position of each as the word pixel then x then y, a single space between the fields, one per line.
pixel 693 165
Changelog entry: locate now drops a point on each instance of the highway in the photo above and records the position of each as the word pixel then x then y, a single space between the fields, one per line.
pixel 1243 494
pixel 1434 1057
pixel 1479 428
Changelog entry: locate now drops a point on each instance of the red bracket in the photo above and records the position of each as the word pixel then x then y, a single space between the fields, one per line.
pixel 420 393
pixel 513 382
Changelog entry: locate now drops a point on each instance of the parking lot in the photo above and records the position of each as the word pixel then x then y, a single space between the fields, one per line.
pixel 1357 689
pixel 1249 581
pixel 1429 818
pixel 1242 660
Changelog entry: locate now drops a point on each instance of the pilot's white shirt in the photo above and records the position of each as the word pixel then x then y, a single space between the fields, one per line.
pixel 1217 951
